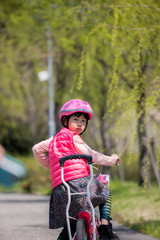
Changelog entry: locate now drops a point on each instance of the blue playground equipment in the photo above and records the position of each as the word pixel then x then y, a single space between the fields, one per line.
pixel 11 170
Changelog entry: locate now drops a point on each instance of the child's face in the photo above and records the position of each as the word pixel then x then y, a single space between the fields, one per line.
pixel 77 124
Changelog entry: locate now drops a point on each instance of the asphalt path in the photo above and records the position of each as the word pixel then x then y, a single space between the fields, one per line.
pixel 25 217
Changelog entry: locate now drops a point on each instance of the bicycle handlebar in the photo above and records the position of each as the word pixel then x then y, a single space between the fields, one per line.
pixel 75 156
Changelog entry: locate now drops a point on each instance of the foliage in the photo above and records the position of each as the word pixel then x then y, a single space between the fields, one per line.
pixel 104 52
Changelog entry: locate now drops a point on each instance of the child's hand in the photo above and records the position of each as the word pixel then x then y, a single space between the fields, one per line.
pixel 116 158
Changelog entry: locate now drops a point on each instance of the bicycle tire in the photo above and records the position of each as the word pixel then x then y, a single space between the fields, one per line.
pixel 81 231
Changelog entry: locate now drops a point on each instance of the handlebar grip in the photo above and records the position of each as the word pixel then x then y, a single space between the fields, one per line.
pixel 75 156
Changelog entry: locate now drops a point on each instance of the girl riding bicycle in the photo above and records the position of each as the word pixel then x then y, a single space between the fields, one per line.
pixel 74 116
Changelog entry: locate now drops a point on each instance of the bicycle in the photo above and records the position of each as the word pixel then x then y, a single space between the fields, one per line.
pixel 86 227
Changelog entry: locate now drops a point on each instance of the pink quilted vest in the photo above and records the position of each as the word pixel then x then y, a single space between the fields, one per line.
pixel 62 145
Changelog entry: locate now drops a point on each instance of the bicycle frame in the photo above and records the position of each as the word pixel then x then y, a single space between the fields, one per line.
pixel 69 194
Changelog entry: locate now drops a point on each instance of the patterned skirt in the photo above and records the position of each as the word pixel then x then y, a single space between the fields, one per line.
pixel 58 200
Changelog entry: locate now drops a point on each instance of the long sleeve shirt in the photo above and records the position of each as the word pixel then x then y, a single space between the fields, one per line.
pixel 40 149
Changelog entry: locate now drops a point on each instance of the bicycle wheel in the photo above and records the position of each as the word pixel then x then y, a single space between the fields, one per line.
pixel 81 230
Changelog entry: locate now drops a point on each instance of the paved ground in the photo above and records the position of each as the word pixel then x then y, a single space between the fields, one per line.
pixel 25 217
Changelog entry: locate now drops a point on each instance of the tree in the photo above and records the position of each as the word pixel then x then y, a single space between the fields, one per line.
pixel 106 53
pixel 132 45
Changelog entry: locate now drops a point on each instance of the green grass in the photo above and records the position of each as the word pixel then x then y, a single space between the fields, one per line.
pixel 136 207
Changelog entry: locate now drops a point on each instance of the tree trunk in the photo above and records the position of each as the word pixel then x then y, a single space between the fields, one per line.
pixel 103 127
pixel 105 142
pixel 144 166
pixel 153 158
pixel 121 172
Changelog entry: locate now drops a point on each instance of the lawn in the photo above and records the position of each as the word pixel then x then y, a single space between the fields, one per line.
pixel 136 207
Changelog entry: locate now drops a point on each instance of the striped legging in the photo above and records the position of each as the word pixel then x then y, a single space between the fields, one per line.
pixel 105 208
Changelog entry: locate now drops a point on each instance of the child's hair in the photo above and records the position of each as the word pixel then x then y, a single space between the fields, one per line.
pixel 77 114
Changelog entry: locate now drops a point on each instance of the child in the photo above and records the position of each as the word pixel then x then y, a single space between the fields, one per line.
pixel 74 116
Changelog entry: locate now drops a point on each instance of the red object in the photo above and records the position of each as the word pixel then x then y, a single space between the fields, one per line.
pixel 102 178
pixel 86 217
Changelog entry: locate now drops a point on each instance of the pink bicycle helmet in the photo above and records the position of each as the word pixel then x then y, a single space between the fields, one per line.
pixel 75 105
